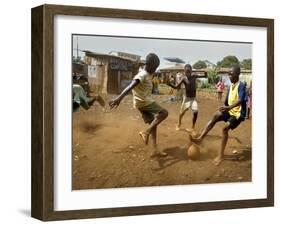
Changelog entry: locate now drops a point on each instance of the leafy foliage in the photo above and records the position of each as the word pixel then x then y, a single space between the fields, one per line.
pixel 228 61
pixel 199 64
pixel 205 85
pixel 246 64
pixel 77 59
pixel 212 76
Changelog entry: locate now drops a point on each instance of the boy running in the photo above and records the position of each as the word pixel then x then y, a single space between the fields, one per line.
pixel 189 99
pixel 152 113
pixel 233 112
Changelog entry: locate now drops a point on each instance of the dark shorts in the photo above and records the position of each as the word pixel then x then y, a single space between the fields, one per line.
pixel 232 120
pixel 148 112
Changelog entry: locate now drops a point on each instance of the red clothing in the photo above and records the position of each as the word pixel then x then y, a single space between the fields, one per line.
pixel 220 86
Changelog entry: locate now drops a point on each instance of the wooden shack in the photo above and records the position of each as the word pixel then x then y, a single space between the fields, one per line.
pixel 108 73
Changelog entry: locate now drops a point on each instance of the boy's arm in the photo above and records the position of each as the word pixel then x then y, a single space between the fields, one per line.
pixel 116 101
pixel 201 76
pixel 226 99
pixel 228 108
pixel 177 86
pixel 242 98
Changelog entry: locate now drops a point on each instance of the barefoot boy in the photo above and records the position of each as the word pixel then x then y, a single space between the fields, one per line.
pixel 233 112
pixel 189 100
pixel 152 113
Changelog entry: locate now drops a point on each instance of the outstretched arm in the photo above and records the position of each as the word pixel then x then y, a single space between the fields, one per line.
pixel 177 86
pixel 116 101
pixel 201 76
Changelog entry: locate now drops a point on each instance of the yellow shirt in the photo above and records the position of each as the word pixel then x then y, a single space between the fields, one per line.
pixel 142 93
pixel 232 98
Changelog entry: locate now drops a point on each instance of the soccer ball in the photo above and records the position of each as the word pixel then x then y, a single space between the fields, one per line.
pixel 193 152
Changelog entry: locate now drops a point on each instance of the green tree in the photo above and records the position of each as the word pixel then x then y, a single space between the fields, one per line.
pixel 228 61
pixel 212 76
pixel 199 64
pixel 77 59
pixel 246 64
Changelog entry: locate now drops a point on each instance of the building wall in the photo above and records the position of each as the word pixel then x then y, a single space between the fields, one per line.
pixel 109 75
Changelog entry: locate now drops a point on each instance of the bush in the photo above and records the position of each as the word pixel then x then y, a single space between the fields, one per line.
pixel 205 85
pixel 212 76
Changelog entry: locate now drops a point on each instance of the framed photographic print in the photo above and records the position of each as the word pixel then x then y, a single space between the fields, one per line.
pixel 141 112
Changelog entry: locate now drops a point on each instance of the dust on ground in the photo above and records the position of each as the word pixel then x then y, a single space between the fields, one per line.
pixel 108 152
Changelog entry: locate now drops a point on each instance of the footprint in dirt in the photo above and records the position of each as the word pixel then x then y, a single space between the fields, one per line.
pixel 89 127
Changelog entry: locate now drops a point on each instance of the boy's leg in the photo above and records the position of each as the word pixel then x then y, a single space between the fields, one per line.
pixel 194 108
pixel 148 113
pixel 194 118
pixel 220 155
pixel 220 96
pixel 218 116
pixel 161 116
pixel 248 112
pixel 155 151
pixel 100 100
pixel 180 118
pixel 184 107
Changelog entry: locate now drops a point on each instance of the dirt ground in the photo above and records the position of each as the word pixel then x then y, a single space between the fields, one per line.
pixel 108 152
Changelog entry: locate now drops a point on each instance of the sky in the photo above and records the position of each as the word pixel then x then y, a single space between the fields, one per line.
pixel 188 50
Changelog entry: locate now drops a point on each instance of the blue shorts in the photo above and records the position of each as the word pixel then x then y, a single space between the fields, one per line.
pixel 231 120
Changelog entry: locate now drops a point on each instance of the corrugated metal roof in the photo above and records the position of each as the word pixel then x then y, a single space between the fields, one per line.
pixel 180 67
pixel 95 54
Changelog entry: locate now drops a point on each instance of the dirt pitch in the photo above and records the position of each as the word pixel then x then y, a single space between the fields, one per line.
pixel 108 152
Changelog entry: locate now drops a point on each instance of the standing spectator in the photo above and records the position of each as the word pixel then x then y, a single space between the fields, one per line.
pixel 220 89
pixel 249 100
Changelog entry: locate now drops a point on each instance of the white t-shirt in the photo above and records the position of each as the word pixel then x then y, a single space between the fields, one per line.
pixel 142 93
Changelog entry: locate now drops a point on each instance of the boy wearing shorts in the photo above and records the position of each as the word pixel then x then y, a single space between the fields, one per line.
pixel 189 98
pixel 233 112
pixel 152 113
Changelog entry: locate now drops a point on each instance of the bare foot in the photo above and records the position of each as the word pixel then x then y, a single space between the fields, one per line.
pixel 178 127
pixel 144 136
pixel 189 130
pixel 195 139
pixel 218 160
pixel 158 154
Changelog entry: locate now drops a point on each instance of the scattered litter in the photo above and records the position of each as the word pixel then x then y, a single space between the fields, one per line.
pixel 116 151
pixel 241 158
pixel 132 148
